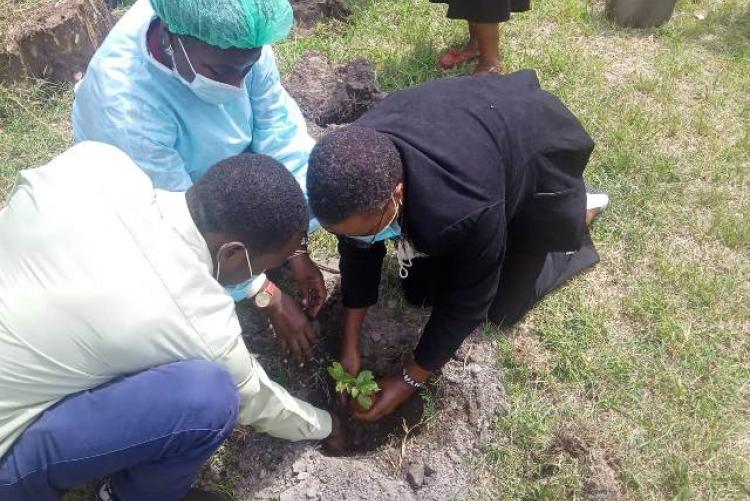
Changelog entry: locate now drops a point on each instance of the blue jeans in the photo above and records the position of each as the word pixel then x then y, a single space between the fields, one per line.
pixel 150 432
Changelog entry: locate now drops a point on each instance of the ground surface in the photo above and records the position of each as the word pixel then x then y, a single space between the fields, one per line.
pixel 431 450
pixel 631 381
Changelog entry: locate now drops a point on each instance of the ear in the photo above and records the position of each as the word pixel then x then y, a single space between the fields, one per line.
pixel 398 193
pixel 231 250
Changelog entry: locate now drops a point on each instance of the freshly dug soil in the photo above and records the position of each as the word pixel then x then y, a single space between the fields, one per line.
pixel 307 13
pixel 428 451
pixel 54 41
pixel 330 94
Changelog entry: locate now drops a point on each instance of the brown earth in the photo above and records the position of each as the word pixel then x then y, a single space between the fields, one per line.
pixel 430 451
pixel 308 13
pixel 54 41
pixel 332 94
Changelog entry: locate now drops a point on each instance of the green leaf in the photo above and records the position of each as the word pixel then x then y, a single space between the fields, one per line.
pixel 364 377
pixel 341 387
pixel 354 391
pixel 369 388
pixel 336 371
pixel 364 401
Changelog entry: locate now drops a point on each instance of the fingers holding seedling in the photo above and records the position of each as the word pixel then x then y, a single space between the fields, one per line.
pixel 361 388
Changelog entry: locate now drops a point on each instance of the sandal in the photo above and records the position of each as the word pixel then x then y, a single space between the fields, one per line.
pixel 454 57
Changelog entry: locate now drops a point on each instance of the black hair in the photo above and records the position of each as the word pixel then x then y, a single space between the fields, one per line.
pixel 352 170
pixel 252 198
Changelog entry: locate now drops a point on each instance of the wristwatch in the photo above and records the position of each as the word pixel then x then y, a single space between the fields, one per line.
pixel 265 295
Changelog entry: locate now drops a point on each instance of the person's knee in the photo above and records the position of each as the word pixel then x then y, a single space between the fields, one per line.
pixel 205 389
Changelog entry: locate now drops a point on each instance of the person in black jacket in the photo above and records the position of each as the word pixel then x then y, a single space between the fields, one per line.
pixel 479 182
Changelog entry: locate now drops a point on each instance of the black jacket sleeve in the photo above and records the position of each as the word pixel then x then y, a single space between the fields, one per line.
pixel 467 284
pixel 360 268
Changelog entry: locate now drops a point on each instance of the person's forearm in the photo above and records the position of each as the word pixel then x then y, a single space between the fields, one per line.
pixel 353 320
pixel 267 406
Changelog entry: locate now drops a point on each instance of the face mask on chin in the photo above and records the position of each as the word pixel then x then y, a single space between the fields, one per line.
pixel 240 290
pixel 207 90
pixel 391 230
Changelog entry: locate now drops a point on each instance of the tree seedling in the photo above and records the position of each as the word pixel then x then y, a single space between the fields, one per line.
pixel 361 388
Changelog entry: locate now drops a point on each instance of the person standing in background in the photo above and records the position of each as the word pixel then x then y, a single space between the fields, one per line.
pixel 484 17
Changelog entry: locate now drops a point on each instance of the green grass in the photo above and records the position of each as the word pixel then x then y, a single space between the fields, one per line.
pixel 646 359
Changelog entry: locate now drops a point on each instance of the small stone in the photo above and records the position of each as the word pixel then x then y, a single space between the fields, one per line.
pixel 474 369
pixel 415 475
pixel 299 467
pixel 312 492
pixel 302 475
pixel 376 336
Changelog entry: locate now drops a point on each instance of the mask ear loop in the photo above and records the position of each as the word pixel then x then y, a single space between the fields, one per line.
pixel 403 263
pixel 218 258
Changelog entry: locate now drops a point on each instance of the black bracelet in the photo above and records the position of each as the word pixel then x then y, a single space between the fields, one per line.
pixel 411 381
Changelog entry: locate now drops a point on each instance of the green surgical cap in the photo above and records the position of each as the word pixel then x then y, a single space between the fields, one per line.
pixel 240 24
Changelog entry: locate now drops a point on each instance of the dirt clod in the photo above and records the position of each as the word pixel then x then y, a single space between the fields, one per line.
pixel 415 475
pixel 329 94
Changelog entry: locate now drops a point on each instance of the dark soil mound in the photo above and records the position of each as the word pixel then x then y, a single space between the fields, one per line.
pixel 330 94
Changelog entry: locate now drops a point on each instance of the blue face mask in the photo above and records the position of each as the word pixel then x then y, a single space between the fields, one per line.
pixel 238 291
pixel 208 90
pixel 391 230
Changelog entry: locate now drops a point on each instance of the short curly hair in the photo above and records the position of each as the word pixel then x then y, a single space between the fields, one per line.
pixel 253 198
pixel 352 170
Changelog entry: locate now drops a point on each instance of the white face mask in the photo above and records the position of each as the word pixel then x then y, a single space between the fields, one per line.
pixel 207 90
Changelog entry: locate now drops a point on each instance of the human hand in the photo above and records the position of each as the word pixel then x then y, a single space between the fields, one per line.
pixel 337 443
pixel 393 392
pixel 310 281
pixel 295 332
pixel 350 358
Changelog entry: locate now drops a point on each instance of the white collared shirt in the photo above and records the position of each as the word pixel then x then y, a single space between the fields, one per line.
pixel 102 276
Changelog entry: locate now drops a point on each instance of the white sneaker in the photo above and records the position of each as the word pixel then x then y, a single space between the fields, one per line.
pixel 597 201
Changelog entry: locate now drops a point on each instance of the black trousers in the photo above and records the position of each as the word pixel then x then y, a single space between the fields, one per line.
pixel 484 11
pixel 525 279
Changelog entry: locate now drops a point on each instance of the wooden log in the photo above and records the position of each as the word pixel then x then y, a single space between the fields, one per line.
pixel 55 41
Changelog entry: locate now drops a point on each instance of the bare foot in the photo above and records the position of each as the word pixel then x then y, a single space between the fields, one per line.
pixel 490 66
pixel 591 215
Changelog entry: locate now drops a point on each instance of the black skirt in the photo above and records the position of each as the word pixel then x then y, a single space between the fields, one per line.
pixel 484 11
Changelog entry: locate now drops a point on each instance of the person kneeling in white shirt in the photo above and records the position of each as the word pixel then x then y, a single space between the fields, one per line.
pixel 121 354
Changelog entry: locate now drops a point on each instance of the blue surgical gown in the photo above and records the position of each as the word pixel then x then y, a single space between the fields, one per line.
pixel 130 100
